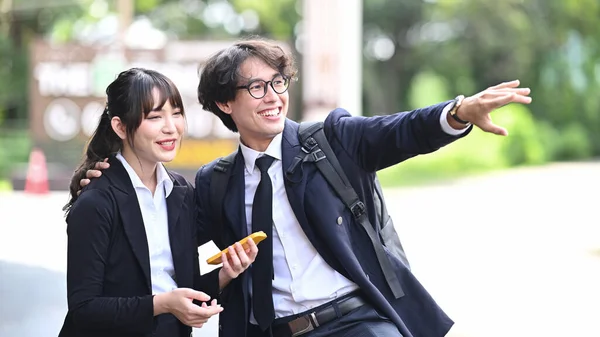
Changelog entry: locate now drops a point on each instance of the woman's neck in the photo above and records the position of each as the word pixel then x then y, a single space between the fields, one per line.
pixel 145 171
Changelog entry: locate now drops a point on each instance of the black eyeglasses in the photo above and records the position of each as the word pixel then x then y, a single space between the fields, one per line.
pixel 258 88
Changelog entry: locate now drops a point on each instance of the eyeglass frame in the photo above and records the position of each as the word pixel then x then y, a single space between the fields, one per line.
pixel 267 84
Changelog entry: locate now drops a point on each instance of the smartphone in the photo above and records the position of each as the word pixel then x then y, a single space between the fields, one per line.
pixel 256 237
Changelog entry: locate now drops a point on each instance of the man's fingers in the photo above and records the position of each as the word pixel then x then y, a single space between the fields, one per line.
pixel 101 165
pixel 522 99
pixel 92 174
pixel 225 261
pixel 493 128
pixel 509 98
pixel 499 101
pixel 253 250
pixel 491 95
pixel 504 91
pixel 233 256
pixel 509 84
pixel 242 256
pixel 84 182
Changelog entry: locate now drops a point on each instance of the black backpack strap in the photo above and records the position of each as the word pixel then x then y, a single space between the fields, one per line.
pixel 317 150
pixel 219 179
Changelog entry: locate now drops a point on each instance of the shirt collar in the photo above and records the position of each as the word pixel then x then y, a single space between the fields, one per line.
pixel 250 155
pixel 162 177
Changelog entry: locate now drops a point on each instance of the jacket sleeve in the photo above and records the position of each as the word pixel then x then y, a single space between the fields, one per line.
pixel 207 283
pixel 206 229
pixel 89 230
pixel 378 142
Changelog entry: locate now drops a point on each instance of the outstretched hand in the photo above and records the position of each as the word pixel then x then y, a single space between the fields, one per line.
pixel 476 109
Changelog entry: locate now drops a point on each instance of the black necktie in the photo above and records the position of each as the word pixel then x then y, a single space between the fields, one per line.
pixel 262 268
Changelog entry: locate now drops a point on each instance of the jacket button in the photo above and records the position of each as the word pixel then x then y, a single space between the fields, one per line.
pixel 339 220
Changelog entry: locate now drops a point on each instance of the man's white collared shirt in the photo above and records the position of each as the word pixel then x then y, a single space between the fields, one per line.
pixel 303 280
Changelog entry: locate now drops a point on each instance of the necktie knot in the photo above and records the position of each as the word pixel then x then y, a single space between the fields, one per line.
pixel 263 163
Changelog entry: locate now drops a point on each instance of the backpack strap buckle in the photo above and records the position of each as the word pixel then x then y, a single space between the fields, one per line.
pixel 315 156
pixel 358 209
pixel 309 144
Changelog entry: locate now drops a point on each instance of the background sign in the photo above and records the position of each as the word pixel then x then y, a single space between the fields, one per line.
pixel 67 97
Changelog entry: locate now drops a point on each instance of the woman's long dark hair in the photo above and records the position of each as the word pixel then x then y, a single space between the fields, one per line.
pixel 130 98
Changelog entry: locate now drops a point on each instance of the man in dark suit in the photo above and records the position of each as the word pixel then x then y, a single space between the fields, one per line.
pixel 317 273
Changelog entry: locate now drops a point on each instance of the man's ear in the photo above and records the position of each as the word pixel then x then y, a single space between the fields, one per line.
pixel 118 127
pixel 225 107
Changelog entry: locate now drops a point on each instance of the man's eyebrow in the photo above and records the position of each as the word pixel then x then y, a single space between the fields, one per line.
pixel 248 80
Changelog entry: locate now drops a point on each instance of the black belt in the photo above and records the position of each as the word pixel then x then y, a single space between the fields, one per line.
pixel 313 319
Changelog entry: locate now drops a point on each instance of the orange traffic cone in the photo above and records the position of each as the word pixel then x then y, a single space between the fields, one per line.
pixel 37 173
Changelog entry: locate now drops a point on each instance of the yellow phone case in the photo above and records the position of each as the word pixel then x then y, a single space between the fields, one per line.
pixel 256 237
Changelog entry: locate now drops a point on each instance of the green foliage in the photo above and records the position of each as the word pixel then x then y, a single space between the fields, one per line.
pixel 426 89
pixel 15 146
pixel 277 18
pixel 524 144
pixel 552 46
pixel 5 185
pixel 574 143
pixel 476 153
pixel 442 48
pixel 144 6
pixel 13 86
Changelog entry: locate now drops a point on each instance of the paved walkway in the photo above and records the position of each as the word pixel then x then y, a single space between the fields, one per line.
pixel 515 253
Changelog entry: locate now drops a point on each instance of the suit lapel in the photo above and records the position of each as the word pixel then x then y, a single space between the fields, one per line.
pixel 235 199
pixel 131 216
pixel 177 231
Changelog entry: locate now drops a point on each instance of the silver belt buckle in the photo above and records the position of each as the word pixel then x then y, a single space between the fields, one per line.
pixel 312 324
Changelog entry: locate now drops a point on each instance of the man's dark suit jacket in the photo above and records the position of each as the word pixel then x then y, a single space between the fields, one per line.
pixel 108 272
pixel 363 146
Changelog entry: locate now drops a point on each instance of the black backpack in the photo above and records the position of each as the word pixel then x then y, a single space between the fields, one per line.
pixel 316 149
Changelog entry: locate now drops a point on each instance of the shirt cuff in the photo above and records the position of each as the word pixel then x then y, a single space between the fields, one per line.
pixel 446 126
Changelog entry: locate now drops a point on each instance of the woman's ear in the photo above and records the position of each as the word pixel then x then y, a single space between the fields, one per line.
pixel 118 127
pixel 225 107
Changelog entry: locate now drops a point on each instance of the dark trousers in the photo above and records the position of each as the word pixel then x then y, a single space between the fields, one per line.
pixel 364 321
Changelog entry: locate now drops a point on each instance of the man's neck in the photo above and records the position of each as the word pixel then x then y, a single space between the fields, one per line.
pixel 259 145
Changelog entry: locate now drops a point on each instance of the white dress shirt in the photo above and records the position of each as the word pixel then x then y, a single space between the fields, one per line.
pixel 446 126
pixel 156 223
pixel 303 280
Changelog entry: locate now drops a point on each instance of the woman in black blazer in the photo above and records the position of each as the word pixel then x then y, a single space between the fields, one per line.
pixel 132 255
